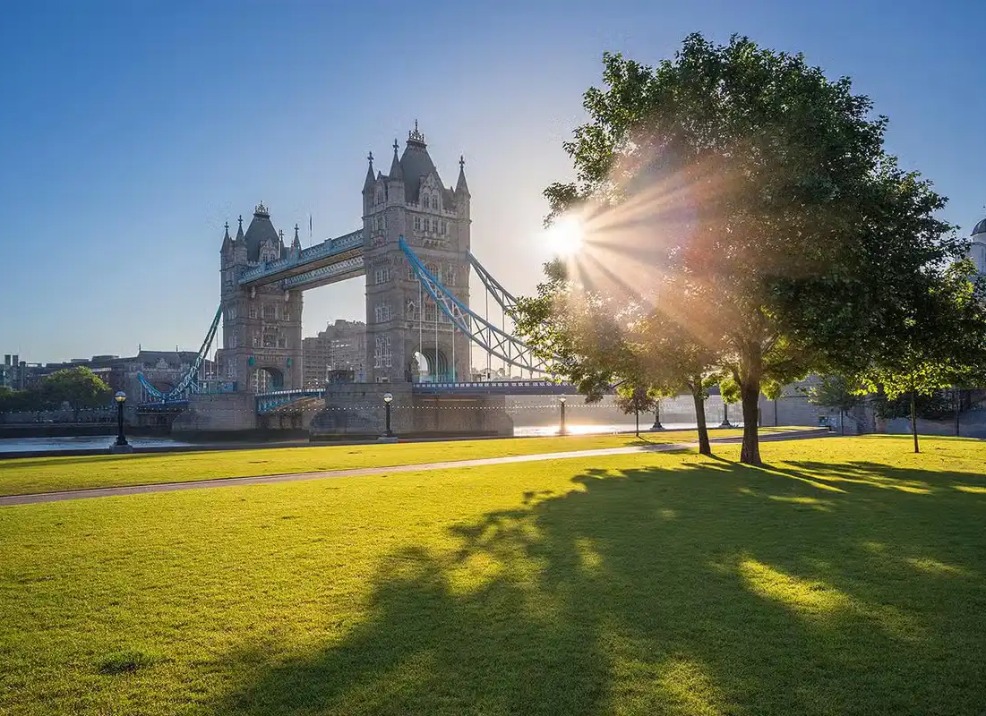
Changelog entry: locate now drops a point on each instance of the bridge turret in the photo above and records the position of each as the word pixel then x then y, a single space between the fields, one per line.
pixel 412 202
pixel 261 346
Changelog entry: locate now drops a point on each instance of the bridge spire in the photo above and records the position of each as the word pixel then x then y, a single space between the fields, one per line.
pixel 227 242
pixel 369 173
pixel 296 244
pixel 461 186
pixel 395 166
pixel 239 232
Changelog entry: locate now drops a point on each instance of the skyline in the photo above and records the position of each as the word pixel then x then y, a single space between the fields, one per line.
pixel 139 133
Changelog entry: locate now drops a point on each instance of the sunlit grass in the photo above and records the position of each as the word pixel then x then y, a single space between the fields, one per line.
pixel 644 584
pixel 50 474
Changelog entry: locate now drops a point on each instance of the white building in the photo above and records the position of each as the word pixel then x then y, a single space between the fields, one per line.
pixel 977 249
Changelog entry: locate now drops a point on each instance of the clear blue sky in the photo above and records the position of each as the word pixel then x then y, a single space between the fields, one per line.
pixel 130 132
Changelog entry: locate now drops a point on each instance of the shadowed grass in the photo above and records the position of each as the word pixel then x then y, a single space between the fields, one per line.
pixel 644 584
pixel 51 474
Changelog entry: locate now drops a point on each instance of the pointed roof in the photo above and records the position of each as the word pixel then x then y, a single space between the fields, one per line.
pixel 396 171
pixel 460 186
pixel 416 164
pixel 239 231
pixel 227 241
pixel 296 243
pixel 260 230
pixel 369 181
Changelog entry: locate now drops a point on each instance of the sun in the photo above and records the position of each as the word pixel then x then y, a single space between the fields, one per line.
pixel 565 236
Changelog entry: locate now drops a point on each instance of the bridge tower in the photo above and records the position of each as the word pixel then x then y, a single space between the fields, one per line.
pixel 401 318
pixel 261 325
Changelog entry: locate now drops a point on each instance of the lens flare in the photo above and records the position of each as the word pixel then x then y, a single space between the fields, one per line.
pixel 565 236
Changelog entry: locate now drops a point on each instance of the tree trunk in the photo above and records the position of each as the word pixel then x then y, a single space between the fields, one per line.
pixel 750 392
pixel 958 410
pixel 636 417
pixel 914 420
pixel 704 447
pixel 842 422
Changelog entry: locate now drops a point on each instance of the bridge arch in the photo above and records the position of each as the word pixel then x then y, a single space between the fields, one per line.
pixel 264 379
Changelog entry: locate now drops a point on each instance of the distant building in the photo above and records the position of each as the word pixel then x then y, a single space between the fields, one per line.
pixel 977 247
pixel 341 346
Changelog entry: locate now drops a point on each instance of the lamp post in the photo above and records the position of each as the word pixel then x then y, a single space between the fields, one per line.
pixel 725 416
pixel 657 417
pixel 121 444
pixel 121 398
pixel 387 400
pixel 561 404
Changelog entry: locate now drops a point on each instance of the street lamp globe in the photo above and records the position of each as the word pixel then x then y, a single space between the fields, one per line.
pixel 120 396
pixel 562 399
pixel 388 397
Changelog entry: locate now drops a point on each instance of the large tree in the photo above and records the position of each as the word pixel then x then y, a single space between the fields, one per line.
pixel 759 190
pixel 79 387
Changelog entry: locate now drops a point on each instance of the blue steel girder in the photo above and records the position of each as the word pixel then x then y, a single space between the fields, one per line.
pixel 269 402
pixel 188 382
pixel 501 295
pixel 480 331
pixel 327 253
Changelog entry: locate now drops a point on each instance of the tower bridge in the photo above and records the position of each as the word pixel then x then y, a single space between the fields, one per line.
pixel 414 252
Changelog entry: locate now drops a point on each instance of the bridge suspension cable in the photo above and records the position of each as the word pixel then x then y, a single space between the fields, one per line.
pixel 189 381
pixel 495 341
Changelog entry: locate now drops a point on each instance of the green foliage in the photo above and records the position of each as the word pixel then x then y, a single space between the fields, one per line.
pixel 935 406
pixel 729 389
pixel 752 202
pixel 79 387
pixel 635 399
pixel 844 580
pixel 835 391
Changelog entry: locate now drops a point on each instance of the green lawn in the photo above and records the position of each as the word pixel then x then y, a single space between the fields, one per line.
pixel 847 578
pixel 50 474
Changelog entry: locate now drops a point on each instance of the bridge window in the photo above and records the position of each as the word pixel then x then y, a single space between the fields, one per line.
pixel 381 275
pixel 417 223
pixel 270 312
pixel 256 340
pixel 412 311
pixel 427 200
pixel 382 357
pixel 382 313
pixel 253 311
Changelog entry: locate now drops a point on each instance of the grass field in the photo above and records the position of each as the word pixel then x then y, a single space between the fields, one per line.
pixel 49 474
pixel 849 577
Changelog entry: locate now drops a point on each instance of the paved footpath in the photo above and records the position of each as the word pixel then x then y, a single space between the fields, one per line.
pixel 37 498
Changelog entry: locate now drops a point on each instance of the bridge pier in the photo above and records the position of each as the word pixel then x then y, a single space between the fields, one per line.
pixel 355 410
pixel 224 413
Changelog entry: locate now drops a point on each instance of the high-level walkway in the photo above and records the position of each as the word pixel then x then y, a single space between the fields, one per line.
pixel 43 497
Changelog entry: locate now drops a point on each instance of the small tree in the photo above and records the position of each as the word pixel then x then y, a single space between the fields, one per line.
pixel 635 399
pixel 835 391
pixel 941 340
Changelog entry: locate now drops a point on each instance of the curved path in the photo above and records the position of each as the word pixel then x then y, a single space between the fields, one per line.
pixel 41 497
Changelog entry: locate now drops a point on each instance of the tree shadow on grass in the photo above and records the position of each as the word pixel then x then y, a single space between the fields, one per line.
pixel 713 588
